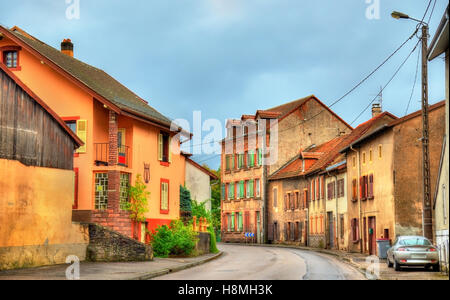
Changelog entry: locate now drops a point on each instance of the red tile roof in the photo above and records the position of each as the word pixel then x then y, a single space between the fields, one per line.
pixel 330 150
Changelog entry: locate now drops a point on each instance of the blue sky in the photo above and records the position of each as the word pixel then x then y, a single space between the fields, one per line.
pixel 226 58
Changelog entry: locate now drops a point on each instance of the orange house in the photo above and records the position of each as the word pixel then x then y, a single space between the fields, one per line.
pixel 123 135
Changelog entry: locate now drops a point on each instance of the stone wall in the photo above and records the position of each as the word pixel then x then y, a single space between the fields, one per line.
pixel 111 246
pixel 204 243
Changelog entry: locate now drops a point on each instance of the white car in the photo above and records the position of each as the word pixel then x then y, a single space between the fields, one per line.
pixel 413 251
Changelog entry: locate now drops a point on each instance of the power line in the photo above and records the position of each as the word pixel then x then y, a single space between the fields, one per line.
pixel 346 94
pixel 415 82
pixel 390 80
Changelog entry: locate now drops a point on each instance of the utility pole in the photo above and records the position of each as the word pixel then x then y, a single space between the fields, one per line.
pixel 427 213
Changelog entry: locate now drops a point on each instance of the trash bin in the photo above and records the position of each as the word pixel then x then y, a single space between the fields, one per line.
pixel 383 247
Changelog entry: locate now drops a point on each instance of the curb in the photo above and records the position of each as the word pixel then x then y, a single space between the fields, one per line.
pixel 176 269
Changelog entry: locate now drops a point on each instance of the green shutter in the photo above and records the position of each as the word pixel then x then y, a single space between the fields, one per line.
pixel 241 189
pixel 259 157
pixel 241 227
pixel 222 195
pixel 232 222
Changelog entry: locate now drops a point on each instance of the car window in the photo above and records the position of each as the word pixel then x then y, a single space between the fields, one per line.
pixel 415 242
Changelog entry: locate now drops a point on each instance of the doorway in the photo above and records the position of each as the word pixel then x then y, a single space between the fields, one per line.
pixel 330 225
pixel 372 236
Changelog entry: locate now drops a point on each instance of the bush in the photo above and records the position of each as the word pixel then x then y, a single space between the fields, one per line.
pixel 199 210
pixel 178 239
pixel 213 242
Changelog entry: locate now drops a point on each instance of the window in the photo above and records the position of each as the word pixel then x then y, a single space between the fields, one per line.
pixel 251 159
pixel 364 158
pixel 370 156
pixel 258 187
pixel 164 151
pixel 10 59
pixel 233 228
pixel 291 201
pixel 124 189
pixel 341 188
pixel 354 161
pixel 72 125
pixel 260 157
pixel 286 200
pixel 297 201
pixel 370 186
pixel 380 151
pixel 275 197
pixel 222 192
pixel 229 222
pixel 363 187
pixel 341 218
pixel 331 190
pixel 240 222
pixel 101 191
pixel 354 189
pixel 230 191
pixel 305 198
pixel 355 230
pixel 164 209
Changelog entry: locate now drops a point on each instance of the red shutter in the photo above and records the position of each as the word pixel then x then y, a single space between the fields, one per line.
pixel 371 185
pixel 361 187
pixel 366 187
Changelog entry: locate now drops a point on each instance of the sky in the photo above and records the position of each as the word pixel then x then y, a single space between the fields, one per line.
pixel 226 58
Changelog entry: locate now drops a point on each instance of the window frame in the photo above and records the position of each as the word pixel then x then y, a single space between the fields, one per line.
pixel 11 48
pixel 161 209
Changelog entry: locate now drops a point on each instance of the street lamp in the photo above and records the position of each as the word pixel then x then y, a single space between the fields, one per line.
pixel 426 213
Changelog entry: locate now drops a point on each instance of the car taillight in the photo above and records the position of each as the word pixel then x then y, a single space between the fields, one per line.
pixel 402 249
pixel 432 250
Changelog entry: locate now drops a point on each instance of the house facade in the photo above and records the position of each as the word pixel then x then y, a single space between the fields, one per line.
pixel 439 46
pixel 385 178
pixel 289 127
pixel 123 136
pixel 36 181
pixel 198 182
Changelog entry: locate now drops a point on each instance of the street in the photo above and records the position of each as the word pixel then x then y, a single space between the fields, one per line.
pixel 264 263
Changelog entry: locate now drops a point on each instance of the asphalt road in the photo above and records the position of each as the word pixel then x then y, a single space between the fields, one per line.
pixel 268 263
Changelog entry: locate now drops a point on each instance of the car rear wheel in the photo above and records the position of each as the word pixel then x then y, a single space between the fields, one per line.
pixel 389 264
pixel 397 266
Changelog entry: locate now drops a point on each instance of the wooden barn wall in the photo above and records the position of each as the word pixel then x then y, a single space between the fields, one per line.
pixel 28 133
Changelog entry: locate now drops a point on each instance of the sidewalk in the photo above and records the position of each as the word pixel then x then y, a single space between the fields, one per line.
pixel 358 261
pixel 111 271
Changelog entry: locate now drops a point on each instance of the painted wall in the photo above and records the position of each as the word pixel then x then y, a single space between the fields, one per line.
pixel 338 206
pixel 199 184
pixel 67 100
pixel 36 217
pixel 382 206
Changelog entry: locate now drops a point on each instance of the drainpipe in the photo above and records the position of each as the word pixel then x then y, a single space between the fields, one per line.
pixel 359 200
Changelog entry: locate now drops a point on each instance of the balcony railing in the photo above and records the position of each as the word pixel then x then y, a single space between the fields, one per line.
pixel 101 152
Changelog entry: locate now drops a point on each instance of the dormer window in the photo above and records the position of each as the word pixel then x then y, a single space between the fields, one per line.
pixel 10 57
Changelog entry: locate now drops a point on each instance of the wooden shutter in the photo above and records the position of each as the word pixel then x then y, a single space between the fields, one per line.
pixel 82 134
pixel 323 187
pixel 361 187
pixel 170 149
pixel 366 187
pixel 270 231
pixel 318 188
pixel 285 202
pixel 160 147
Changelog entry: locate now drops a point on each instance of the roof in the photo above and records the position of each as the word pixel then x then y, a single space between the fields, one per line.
pixel 395 122
pixel 330 152
pixel 441 38
pixel 103 86
pixel 203 169
pixel 30 93
pixel 294 167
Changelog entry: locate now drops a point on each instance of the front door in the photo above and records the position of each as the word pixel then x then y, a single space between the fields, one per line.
pixel 330 230
pixel 372 236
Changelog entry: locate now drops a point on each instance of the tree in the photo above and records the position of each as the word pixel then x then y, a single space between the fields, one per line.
pixel 138 204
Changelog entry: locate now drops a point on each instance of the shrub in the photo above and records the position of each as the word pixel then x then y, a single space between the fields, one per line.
pixel 213 242
pixel 178 239
pixel 199 210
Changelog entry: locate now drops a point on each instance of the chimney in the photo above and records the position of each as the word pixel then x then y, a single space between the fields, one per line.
pixel 67 47
pixel 376 109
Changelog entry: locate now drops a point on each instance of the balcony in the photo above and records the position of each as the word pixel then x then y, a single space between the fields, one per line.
pixel 101 155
